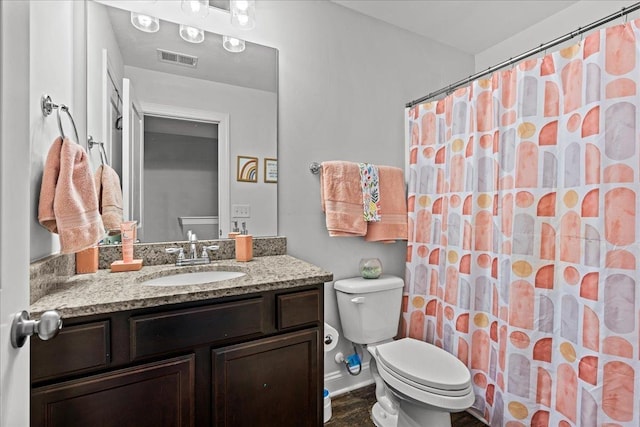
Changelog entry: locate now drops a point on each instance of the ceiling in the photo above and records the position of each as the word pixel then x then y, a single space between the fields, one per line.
pixel 254 68
pixel 471 26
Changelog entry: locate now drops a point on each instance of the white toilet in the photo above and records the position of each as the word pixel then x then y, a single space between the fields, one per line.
pixel 417 384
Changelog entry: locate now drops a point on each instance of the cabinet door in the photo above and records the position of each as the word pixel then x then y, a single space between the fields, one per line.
pixel 269 382
pixel 154 395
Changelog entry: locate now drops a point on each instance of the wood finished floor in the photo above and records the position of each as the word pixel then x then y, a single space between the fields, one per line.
pixel 353 410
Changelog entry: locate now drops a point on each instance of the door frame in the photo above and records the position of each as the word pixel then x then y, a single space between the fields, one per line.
pixel 222 120
pixel 15 212
pixel 109 78
pixel 132 157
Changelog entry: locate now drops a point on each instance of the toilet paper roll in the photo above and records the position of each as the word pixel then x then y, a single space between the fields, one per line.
pixel 330 337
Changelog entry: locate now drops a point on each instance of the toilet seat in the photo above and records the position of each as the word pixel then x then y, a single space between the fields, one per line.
pixel 424 366
pixel 448 396
pixel 434 399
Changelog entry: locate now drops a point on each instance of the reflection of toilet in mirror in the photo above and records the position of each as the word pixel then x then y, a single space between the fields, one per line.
pixel 205 227
pixel 417 384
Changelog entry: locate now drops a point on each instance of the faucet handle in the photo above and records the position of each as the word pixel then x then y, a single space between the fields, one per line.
pixel 211 248
pixel 179 251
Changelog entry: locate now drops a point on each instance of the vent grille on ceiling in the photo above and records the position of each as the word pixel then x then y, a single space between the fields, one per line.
pixel 177 58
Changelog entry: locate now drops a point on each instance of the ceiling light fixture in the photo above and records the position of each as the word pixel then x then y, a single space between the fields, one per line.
pixel 146 23
pixel 233 44
pixel 191 34
pixel 198 8
pixel 243 14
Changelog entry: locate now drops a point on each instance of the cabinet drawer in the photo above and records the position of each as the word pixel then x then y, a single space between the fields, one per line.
pixel 165 332
pixel 299 308
pixel 76 349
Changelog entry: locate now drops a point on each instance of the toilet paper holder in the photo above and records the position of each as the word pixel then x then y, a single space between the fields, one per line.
pixel 330 337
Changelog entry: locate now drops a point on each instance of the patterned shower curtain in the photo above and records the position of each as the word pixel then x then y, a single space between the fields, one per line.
pixel 523 249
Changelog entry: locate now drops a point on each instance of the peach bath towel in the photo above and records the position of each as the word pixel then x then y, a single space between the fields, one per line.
pixel 393 208
pixel 109 198
pixel 341 196
pixel 68 202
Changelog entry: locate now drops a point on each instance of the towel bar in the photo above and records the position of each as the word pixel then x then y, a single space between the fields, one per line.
pixel 315 167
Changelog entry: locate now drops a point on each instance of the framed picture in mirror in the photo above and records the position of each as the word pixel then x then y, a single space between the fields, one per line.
pixel 270 170
pixel 247 169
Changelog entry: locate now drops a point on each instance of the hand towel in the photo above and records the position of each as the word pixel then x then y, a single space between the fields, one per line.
pixel 370 191
pixel 68 202
pixel 393 208
pixel 341 196
pixel 109 198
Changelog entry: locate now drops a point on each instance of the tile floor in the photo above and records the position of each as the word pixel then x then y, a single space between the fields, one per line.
pixel 352 410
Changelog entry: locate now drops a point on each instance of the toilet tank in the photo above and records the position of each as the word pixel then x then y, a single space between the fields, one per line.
pixel 369 308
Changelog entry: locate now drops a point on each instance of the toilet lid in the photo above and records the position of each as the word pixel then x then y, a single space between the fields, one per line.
pixel 425 364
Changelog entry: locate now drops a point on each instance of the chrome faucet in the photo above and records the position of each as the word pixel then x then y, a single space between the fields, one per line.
pixel 193 241
pixel 193 258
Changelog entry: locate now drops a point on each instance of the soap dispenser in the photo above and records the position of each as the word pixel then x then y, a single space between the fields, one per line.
pixel 235 231
pixel 244 245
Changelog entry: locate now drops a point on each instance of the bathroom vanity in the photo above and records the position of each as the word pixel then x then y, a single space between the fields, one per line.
pixel 240 352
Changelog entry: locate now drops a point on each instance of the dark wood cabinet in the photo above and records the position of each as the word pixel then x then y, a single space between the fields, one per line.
pixel 252 360
pixel 268 382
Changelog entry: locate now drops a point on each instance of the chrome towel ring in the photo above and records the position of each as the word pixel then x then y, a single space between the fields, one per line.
pixel 103 153
pixel 47 106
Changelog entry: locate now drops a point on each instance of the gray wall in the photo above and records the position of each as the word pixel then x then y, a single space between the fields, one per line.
pixel 180 179
pixel 344 81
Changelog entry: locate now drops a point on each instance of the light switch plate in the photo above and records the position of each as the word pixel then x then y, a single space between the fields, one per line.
pixel 241 211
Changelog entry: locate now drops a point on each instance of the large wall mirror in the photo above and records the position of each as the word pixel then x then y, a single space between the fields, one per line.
pixel 178 120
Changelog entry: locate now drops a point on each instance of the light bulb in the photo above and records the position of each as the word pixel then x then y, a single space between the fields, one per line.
pixel 243 14
pixel 146 23
pixel 195 7
pixel 242 4
pixel 191 34
pixel 233 44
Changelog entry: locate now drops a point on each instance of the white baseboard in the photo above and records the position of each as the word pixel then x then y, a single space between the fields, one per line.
pixel 341 382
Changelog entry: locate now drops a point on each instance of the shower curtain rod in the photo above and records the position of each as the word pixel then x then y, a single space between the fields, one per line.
pixel 541 48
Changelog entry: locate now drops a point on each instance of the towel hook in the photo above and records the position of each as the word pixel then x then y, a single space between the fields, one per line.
pixel 47 106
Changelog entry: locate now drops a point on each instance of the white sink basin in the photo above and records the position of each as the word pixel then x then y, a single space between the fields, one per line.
pixel 196 278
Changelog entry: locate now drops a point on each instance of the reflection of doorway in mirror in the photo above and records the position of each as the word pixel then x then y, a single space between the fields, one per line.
pixel 180 178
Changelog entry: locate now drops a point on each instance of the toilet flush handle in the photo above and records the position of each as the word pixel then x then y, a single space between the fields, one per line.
pixel 357 300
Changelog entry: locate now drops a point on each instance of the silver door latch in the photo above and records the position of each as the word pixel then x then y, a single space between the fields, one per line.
pixel 47 327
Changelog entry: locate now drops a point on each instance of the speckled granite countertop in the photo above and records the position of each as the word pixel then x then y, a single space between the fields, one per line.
pixel 107 292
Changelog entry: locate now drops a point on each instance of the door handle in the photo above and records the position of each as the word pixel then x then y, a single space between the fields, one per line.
pixel 22 327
